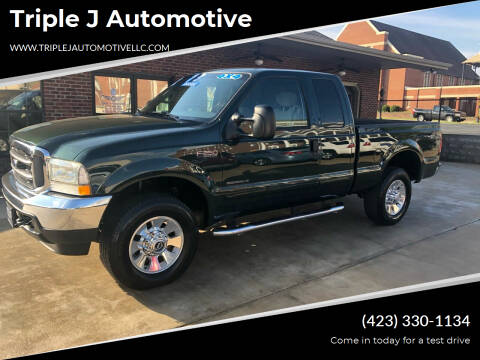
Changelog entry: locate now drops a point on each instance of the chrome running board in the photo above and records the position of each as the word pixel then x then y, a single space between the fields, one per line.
pixel 250 227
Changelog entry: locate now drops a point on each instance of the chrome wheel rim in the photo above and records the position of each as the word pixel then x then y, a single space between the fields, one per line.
pixel 156 244
pixel 395 197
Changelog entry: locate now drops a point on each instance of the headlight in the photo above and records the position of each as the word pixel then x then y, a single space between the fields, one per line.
pixel 68 177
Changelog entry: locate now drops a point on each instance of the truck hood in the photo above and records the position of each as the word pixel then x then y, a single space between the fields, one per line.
pixel 65 139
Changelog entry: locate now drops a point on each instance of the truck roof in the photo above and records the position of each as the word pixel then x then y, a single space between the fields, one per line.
pixel 255 71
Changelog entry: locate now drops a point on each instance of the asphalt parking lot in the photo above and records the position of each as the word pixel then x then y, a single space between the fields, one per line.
pixel 50 301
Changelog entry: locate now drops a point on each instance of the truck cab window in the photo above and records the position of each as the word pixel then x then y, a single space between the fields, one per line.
pixel 283 95
pixel 329 104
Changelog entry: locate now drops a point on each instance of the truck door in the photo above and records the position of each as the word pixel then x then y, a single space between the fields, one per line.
pixel 336 136
pixel 281 168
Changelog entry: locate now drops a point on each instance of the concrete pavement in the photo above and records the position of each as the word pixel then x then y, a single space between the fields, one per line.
pixel 49 301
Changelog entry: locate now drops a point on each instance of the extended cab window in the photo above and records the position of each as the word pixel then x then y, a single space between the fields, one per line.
pixel 283 95
pixel 329 103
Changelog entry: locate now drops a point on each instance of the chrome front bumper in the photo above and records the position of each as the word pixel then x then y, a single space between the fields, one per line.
pixel 55 211
pixel 60 221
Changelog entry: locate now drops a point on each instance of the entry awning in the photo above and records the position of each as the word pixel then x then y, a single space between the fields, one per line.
pixel 331 53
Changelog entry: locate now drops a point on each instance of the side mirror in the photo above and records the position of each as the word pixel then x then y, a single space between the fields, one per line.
pixel 263 123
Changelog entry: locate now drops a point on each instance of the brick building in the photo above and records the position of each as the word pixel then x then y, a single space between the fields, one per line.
pixel 454 86
pixel 127 88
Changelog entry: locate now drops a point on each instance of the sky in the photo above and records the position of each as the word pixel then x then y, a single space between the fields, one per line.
pixel 459 24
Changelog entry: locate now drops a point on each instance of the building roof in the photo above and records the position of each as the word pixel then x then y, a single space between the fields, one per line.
pixel 314 35
pixel 474 60
pixel 428 47
pixel 332 53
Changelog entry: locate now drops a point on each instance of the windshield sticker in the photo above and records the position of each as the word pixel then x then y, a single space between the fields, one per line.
pixel 191 83
pixel 229 76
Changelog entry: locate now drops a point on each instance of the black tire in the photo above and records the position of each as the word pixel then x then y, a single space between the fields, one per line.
pixel 122 222
pixel 374 200
pixel 421 117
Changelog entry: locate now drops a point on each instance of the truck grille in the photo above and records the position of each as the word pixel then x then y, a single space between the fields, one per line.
pixel 27 165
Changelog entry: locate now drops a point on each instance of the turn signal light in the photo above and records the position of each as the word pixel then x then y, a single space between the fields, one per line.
pixel 84 190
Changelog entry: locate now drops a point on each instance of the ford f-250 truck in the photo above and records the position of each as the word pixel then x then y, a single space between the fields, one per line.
pixel 211 148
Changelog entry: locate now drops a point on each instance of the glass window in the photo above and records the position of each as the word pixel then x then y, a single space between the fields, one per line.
pixel 329 104
pixel 197 97
pixel 439 80
pixel 20 106
pixel 112 95
pixel 353 94
pixel 427 78
pixel 283 95
pixel 148 89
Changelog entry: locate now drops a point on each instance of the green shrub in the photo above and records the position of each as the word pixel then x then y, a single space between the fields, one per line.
pixel 385 108
pixel 394 108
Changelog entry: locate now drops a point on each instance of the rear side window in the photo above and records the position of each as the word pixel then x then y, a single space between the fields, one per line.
pixel 329 103
pixel 283 95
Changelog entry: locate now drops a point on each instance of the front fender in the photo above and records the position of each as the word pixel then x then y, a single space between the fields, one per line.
pixel 146 169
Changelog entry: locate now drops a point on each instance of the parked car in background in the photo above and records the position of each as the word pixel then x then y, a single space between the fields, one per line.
pixel 18 112
pixel 439 113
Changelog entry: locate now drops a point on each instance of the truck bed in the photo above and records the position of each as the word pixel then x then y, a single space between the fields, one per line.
pixel 377 138
pixel 366 121
pixel 372 125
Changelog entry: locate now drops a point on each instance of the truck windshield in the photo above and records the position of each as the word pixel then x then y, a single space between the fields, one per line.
pixel 198 97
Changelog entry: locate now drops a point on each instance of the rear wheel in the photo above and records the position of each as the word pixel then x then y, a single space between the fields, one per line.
pixel 421 117
pixel 149 241
pixel 388 202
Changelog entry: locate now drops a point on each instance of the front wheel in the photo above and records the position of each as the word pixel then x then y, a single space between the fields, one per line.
pixel 421 117
pixel 388 202
pixel 148 241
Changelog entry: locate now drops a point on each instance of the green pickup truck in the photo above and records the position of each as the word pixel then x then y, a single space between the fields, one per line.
pixel 210 149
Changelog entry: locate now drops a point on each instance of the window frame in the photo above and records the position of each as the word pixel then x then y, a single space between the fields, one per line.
pixel 133 77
